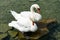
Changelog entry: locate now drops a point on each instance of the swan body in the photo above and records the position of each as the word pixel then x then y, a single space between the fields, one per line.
pixel 24 20
pixel 24 26
pixel 34 16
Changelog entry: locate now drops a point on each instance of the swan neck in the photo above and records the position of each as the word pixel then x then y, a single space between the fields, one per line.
pixel 32 8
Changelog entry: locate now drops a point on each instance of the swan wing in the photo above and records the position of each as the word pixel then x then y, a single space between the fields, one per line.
pixel 25 21
pixel 18 26
pixel 26 14
pixel 15 15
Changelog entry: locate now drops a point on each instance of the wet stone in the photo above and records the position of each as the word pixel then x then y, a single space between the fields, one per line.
pixel 3 35
pixel 12 33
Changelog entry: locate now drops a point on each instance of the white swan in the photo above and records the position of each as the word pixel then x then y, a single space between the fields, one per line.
pixel 25 20
pixel 34 16
pixel 24 25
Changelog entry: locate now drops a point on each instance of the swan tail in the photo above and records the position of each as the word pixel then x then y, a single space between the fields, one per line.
pixel 15 15
pixel 11 24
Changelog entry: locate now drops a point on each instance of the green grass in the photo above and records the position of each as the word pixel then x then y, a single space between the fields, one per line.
pixel 49 9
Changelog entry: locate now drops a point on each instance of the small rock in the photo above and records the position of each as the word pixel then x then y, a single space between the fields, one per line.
pixel 12 33
pixel 3 35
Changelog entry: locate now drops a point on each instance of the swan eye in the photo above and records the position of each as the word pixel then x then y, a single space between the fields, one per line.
pixel 38 8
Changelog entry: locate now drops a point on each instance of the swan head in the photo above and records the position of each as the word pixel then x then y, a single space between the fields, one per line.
pixel 35 6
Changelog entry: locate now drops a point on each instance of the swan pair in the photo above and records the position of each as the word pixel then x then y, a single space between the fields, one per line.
pixel 26 19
